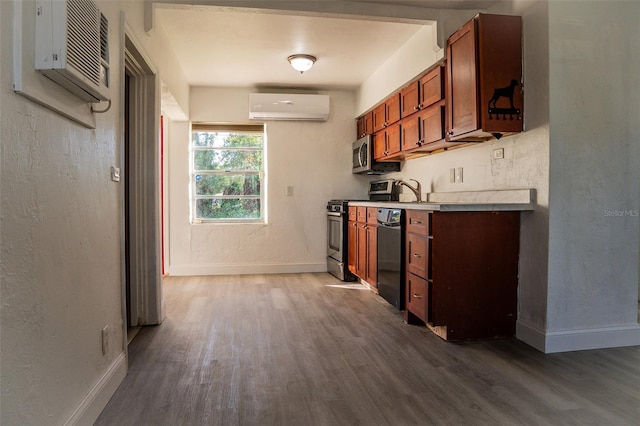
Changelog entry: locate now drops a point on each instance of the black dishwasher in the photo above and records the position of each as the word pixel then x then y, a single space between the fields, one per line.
pixel 390 256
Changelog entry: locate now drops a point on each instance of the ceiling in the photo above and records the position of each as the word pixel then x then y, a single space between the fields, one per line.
pixel 222 46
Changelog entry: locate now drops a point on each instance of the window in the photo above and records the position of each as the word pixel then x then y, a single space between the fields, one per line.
pixel 227 173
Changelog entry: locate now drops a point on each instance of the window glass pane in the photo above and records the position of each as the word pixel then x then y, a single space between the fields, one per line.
pixel 227 160
pixel 227 140
pixel 227 184
pixel 235 208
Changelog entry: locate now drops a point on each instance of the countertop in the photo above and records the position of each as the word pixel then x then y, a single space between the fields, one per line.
pixel 495 200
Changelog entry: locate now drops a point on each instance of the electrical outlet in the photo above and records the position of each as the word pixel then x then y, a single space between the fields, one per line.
pixel 498 153
pixel 459 175
pixel 452 175
pixel 105 340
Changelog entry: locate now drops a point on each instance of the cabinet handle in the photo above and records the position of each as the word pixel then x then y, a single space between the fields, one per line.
pixel 450 132
pixel 416 255
pixel 417 222
pixel 417 296
pixel 416 108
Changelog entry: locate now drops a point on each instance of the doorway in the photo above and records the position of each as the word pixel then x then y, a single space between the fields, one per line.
pixel 140 157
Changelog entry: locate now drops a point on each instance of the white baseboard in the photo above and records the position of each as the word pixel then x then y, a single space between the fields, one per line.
pixel 251 268
pixel 92 405
pixel 578 340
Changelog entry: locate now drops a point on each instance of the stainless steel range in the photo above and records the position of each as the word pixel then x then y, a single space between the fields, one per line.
pixel 337 246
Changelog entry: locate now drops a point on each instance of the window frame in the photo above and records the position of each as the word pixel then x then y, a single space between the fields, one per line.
pixel 262 175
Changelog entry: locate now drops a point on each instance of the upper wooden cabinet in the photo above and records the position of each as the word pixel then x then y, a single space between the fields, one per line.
pixel 484 78
pixel 423 92
pixel 365 124
pixel 386 143
pixel 386 113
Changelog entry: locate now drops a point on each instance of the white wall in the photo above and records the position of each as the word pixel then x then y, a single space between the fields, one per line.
pixel 313 157
pixel 60 243
pixel 416 55
pixel 594 171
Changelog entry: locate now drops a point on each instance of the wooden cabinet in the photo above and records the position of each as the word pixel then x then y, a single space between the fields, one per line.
pixel 386 113
pixel 484 77
pixel 423 92
pixel 352 239
pixel 424 131
pixel 417 265
pixel 462 272
pixel 363 244
pixel 371 270
pixel 386 143
pixel 365 124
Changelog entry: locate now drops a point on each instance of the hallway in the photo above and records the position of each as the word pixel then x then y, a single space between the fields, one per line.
pixel 293 350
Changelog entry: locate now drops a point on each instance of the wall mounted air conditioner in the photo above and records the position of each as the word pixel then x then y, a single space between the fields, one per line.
pixel 72 47
pixel 283 106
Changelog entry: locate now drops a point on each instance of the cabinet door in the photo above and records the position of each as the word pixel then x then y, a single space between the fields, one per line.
pixel 392 106
pixel 372 255
pixel 409 99
pixel 410 133
pixel 368 123
pixel 352 238
pixel 431 88
pixel 379 117
pixel 361 258
pixel 432 124
pixel 379 144
pixel 462 87
pixel 365 124
pixel 392 136
pixel 417 296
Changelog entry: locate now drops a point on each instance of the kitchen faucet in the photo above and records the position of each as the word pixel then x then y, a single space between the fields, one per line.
pixel 417 190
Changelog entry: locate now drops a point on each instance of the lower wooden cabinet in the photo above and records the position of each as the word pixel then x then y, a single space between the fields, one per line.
pixel 462 272
pixel 363 244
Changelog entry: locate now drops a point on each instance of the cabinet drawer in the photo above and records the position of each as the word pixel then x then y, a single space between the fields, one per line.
pixel 353 213
pixel 417 297
pixel 418 255
pixel 419 222
pixel 372 215
pixel 361 215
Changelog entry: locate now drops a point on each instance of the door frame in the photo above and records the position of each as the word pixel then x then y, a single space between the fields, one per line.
pixel 143 178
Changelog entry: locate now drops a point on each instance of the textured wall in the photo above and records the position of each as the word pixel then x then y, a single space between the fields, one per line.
pixel 313 157
pixel 60 252
pixel 595 164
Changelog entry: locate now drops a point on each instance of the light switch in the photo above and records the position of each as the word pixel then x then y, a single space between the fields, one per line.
pixel 289 191
pixel 452 175
pixel 115 174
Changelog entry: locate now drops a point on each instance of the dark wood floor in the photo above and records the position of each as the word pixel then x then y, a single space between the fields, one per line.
pixel 291 350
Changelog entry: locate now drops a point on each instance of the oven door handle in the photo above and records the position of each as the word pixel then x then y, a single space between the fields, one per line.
pixel 360 154
pixel 337 214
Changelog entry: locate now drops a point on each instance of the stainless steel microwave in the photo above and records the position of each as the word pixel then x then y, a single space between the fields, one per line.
pixel 363 162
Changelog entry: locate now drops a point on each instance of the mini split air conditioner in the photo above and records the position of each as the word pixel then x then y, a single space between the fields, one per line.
pixel 72 47
pixel 280 106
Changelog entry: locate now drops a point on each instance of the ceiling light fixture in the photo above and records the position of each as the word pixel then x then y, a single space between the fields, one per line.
pixel 301 63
